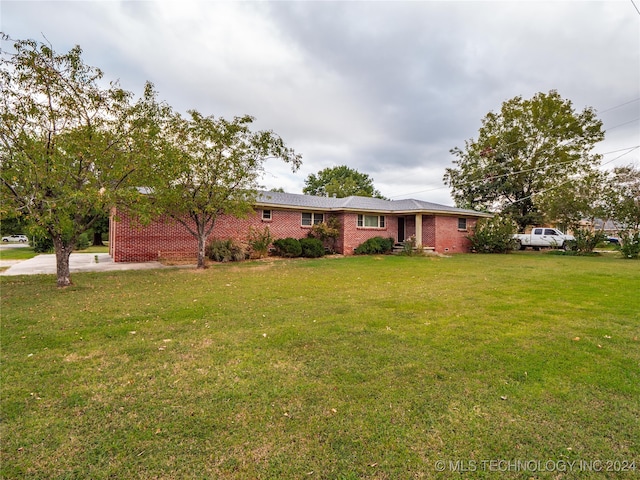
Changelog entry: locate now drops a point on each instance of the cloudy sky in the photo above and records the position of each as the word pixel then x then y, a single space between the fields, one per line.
pixel 387 88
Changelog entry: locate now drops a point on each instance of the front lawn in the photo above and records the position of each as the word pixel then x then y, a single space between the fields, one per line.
pixel 18 253
pixel 343 368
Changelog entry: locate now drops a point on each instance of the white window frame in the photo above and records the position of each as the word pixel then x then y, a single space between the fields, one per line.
pixel 466 225
pixel 380 221
pixel 267 215
pixel 315 218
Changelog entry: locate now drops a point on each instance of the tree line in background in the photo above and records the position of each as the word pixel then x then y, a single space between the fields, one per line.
pixel 532 163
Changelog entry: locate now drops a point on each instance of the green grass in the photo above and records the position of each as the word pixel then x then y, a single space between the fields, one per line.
pixel 26 253
pixel 344 368
pixel 23 253
pixel 94 249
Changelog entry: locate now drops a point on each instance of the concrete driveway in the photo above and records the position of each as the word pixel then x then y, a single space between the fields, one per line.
pixel 78 262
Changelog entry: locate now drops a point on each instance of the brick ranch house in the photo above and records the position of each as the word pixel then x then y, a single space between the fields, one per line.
pixel 437 227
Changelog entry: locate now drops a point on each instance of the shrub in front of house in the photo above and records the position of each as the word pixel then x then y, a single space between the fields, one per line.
pixel 259 242
pixel 312 247
pixel 375 245
pixel 225 251
pixel 493 235
pixel 409 247
pixel 327 233
pixel 287 247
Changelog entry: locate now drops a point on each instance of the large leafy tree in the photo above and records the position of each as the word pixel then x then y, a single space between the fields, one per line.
pixel 68 144
pixel 342 182
pixel 208 167
pixel 573 202
pixel 623 197
pixel 528 148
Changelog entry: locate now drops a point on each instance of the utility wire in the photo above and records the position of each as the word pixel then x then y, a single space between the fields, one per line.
pixel 626 150
pixel 621 105
pixel 622 124
pixel 635 6
pixel 630 149
pixel 568 181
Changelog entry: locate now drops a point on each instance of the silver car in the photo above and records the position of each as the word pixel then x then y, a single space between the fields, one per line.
pixel 15 238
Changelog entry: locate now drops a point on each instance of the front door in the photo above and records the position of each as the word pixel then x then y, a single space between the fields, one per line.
pixel 400 229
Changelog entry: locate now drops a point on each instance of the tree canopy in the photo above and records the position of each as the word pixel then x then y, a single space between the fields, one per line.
pixel 623 194
pixel 68 144
pixel 340 181
pixel 70 148
pixel 208 167
pixel 530 147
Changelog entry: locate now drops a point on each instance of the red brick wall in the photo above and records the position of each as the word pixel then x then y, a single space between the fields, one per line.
pixel 135 243
pixel 354 235
pixel 132 243
pixel 283 223
pixel 428 231
pixel 448 239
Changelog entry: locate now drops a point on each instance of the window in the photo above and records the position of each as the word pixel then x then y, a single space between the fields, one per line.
pixel 309 219
pixel 266 214
pixel 462 224
pixel 537 231
pixel 371 221
pixel 549 231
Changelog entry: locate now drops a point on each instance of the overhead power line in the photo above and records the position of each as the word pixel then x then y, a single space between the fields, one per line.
pixel 621 105
pixel 626 151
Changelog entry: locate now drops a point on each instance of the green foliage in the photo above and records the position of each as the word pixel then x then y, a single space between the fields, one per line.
pixel 630 245
pixel 342 182
pixel 375 245
pixel 570 203
pixel 327 232
pixel 210 166
pixel 623 194
pixel 493 235
pixel 311 247
pixel 528 148
pixel 70 146
pixel 13 225
pixel 41 243
pixel 83 241
pixel 287 247
pixel 585 241
pixel 259 242
pixel 409 246
pixel 99 228
pixel 225 251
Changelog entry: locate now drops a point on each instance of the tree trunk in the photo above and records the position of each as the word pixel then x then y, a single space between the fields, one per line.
pixel 97 239
pixel 201 250
pixel 63 251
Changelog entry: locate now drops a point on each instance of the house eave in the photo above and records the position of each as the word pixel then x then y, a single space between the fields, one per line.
pixel 376 211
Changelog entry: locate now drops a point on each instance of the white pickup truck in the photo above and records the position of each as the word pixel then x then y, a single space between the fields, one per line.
pixel 543 238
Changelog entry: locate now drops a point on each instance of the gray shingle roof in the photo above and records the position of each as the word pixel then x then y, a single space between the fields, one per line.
pixel 364 204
